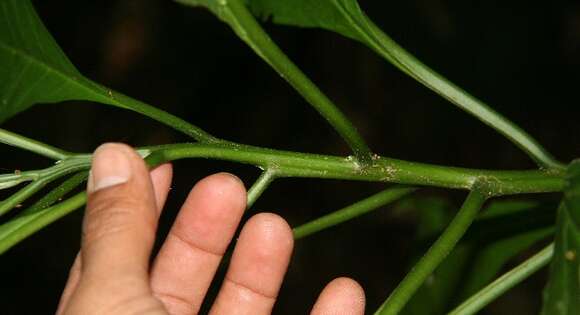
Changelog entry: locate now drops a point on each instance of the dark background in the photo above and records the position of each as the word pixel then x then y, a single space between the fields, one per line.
pixel 521 57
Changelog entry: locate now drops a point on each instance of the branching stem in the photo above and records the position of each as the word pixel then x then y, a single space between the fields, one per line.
pixel 435 255
pixel 261 184
pixel 371 203
pixel 235 13
pixel 406 62
pixel 28 144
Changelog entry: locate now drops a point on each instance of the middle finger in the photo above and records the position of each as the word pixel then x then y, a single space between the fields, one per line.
pixel 205 225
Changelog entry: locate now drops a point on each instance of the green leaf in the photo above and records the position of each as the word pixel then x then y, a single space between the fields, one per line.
pixel 490 260
pixel 347 18
pixel 33 69
pixel 562 293
pixel 525 226
pixel 339 16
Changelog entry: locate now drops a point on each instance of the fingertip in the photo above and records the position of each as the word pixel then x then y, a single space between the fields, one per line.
pixel 164 171
pixel 272 231
pixel 340 296
pixel 257 267
pixel 116 146
pixel 161 177
pixel 236 180
pixel 120 218
pixel 262 254
pixel 191 253
pixel 225 185
pixel 113 164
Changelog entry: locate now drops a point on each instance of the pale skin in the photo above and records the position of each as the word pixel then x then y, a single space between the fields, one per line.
pixel 112 273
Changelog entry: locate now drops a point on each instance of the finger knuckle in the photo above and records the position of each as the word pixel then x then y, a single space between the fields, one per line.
pixel 108 216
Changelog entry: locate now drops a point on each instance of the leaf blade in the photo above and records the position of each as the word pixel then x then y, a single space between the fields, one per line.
pixel 562 293
pixel 34 69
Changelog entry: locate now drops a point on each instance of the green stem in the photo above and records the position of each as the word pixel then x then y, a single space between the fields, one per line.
pixel 435 255
pixel 28 144
pixel 235 13
pixel 43 177
pixel 159 115
pixel 17 198
pixel 293 164
pixel 260 186
pixel 355 210
pixel 507 281
pixel 19 228
pixel 57 193
pixel 406 62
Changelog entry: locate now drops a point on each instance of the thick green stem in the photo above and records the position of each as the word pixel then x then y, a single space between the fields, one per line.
pixel 260 186
pixel 235 13
pixel 293 164
pixel 507 281
pixel 435 255
pixel 355 210
pixel 28 144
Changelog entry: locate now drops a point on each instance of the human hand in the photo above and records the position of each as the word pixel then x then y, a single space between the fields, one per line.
pixel 111 274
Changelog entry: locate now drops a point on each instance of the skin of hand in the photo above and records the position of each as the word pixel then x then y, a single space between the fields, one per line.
pixel 112 273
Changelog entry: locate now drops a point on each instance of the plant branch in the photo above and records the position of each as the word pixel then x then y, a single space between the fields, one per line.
pixel 261 184
pixel 236 14
pixel 293 164
pixel 406 62
pixel 57 193
pixel 28 144
pixel 357 209
pixel 507 281
pixel 19 228
pixel 435 255
pixel 159 115
pixel 40 179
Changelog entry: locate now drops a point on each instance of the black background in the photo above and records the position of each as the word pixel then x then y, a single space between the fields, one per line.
pixel 521 57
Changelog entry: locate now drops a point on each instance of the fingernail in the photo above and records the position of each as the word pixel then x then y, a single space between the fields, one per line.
pixel 111 166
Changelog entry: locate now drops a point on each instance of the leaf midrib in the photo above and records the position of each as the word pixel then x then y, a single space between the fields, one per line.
pixel 63 75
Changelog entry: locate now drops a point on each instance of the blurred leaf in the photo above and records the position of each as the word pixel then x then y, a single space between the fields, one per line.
pixel 434 213
pixel 505 229
pixel 341 16
pixel 562 293
pixel 33 69
pixel 502 247
pixel 490 260
pixel 498 208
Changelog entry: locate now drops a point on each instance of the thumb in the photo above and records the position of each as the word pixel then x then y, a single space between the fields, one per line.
pixel 120 219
